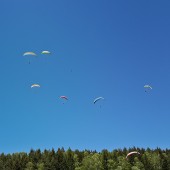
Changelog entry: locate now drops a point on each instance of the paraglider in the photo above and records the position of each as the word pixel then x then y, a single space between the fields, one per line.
pixel 97 99
pixel 35 85
pixel 29 53
pixel 131 153
pixel 45 52
pixel 147 87
pixel 64 97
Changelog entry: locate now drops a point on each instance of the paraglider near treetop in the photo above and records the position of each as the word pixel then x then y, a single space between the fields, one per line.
pixel 131 153
pixel 97 99
pixel 35 85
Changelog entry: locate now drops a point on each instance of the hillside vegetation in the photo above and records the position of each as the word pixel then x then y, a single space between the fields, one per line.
pixel 61 159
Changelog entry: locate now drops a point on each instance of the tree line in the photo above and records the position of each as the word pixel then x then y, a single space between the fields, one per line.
pixel 60 159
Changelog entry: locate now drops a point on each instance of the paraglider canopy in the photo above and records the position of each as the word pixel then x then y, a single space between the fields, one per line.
pixel 64 97
pixel 29 53
pixel 35 85
pixel 131 153
pixel 97 99
pixel 45 52
pixel 147 87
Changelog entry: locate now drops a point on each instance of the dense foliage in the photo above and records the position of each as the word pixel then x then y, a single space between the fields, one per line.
pixel 156 159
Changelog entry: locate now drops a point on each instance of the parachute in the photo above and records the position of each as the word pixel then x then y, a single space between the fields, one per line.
pixel 35 85
pixel 29 53
pixel 45 52
pixel 131 153
pixel 147 87
pixel 64 97
pixel 97 99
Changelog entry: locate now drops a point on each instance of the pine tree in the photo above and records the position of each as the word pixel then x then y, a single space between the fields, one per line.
pixel 61 162
pixel 105 158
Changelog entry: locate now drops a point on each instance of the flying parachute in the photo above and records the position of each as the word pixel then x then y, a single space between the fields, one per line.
pixel 147 87
pixel 35 85
pixel 97 99
pixel 64 97
pixel 45 52
pixel 29 53
pixel 131 153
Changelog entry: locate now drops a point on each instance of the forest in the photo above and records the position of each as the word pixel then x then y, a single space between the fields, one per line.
pixel 61 159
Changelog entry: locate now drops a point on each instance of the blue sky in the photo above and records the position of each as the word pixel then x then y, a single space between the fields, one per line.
pixel 99 48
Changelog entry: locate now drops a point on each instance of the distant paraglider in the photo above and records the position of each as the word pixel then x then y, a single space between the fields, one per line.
pixel 64 97
pixel 97 99
pixel 147 87
pixel 45 52
pixel 131 153
pixel 29 53
pixel 35 85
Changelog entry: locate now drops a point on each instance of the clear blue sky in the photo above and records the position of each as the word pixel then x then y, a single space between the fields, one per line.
pixel 103 48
